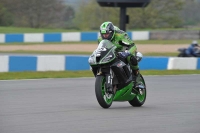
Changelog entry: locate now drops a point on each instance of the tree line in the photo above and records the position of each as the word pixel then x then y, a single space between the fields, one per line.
pixel 35 13
pixel 89 15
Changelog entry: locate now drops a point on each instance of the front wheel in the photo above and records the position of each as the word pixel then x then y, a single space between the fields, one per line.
pixel 104 98
pixel 139 98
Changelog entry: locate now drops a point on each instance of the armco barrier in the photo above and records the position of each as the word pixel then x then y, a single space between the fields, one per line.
pixel 74 63
pixel 64 37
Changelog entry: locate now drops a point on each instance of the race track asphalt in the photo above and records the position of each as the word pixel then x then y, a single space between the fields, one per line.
pixel 70 106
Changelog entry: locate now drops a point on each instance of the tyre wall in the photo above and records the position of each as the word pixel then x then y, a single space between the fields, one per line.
pixel 75 63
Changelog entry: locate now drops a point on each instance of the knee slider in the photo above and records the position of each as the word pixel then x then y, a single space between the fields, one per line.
pixel 133 61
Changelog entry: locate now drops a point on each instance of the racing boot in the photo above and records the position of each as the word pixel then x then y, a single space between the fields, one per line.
pixel 138 85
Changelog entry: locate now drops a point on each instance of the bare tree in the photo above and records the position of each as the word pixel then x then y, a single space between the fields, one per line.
pixel 5 16
pixel 159 13
pixel 190 13
pixel 39 13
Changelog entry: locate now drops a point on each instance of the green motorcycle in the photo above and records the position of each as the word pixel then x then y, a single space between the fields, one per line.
pixel 114 81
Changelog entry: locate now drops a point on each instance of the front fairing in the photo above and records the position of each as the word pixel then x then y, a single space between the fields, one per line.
pixel 104 53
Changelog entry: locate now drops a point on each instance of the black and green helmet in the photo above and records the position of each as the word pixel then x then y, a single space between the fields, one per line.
pixel 107 30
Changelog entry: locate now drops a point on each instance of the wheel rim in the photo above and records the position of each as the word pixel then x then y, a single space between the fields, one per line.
pixel 106 96
pixel 140 97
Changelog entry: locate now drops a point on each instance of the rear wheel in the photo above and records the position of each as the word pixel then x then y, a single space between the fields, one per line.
pixel 104 98
pixel 181 55
pixel 139 98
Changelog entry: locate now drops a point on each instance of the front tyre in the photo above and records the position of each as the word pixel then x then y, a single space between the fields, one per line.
pixel 139 98
pixel 104 98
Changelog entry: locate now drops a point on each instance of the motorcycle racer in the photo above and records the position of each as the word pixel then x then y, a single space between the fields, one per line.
pixel 125 46
pixel 191 50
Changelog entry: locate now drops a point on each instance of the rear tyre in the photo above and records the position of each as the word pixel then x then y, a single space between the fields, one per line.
pixel 104 98
pixel 139 99
pixel 181 55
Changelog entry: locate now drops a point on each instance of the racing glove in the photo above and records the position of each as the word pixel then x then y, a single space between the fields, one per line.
pixel 124 54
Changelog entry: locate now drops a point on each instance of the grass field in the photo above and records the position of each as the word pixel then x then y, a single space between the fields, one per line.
pixel 46 30
pixel 75 74
pixel 80 53
pixel 30 30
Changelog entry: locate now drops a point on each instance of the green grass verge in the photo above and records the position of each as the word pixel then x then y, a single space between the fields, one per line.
pixel 31 30
pixel 44 30
pixel 46 52
pixel 162 54
pixel 166 29
pixel 163 42
pixel 48 74
pixel 75 74
pixel 50 43
pixel 80 53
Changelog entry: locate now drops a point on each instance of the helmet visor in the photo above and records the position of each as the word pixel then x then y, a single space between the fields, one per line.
pixel 106 34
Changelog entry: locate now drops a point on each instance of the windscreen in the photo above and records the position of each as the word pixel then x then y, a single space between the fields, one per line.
pixel 105 44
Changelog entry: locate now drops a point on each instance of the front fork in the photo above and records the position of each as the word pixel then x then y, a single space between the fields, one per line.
pixel 109 79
